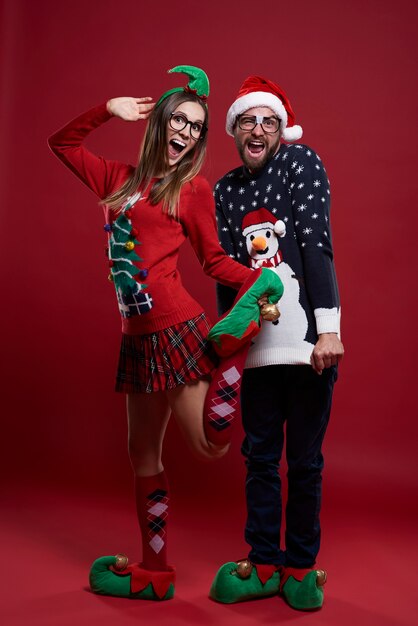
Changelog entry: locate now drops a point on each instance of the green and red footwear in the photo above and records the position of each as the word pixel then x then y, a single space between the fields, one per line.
pixel 231 338
pixel 243 580
pixel 242 322
pixel 303 589
pixel 112 576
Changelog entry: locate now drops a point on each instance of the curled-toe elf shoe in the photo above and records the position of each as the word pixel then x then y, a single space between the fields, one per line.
pixel 303 589
pixel 243 580
pixel 231 338
pixel 242 322
pixel 113 576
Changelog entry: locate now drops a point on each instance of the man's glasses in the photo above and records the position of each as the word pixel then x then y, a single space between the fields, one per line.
pixel 178 121
pixel 269 124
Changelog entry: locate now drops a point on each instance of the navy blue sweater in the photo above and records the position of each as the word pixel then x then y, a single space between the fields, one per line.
pixel 292 187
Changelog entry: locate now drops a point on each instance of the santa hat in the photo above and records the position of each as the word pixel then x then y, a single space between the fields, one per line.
pixel 260 219
pixel 258 92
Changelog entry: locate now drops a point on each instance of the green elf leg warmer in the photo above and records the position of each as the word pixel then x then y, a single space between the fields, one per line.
pixel 112 576
pixel 242 322
pixel 231 338
pixel 243 580
pixel 303 589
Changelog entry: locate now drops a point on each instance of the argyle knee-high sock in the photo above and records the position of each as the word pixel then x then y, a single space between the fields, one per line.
pixel 222 404
pixel 231 337
pixel 151 495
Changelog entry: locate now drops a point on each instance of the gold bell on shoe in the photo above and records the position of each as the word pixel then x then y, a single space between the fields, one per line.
pixel 121 561
pixel 321 577
pixel 244 568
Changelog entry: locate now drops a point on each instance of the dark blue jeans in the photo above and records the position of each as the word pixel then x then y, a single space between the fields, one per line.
pixel 273 396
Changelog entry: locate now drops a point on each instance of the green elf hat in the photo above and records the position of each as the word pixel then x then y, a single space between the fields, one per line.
pixel 198 83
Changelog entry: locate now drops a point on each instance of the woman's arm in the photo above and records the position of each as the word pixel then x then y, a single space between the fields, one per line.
pixel 99 174
pixel 200 224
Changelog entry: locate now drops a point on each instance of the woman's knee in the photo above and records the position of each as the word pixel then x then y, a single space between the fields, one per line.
pixel 204 449
pixel 144 460
pixel 146 467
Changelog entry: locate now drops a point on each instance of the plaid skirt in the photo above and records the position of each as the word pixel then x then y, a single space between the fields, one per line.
pixel 163 360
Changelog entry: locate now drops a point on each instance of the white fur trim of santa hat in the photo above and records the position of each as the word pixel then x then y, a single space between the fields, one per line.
pixel 278 226
pixel 259 99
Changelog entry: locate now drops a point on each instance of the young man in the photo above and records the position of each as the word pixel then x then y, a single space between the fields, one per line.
pixel 274 211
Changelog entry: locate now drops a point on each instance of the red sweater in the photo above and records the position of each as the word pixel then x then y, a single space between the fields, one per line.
pixel 160 235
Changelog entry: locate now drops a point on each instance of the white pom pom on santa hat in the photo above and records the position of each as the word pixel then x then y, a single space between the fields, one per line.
pixel 260 220
pixel 257 92
pixel 280 228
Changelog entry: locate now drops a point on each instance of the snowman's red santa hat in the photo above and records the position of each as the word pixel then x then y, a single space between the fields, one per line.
pixel 260 92
pixel 261 220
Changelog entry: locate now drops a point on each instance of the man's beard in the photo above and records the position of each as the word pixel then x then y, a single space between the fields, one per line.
pixel 256 165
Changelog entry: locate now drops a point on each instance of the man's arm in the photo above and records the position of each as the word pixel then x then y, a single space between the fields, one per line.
pixel 311 203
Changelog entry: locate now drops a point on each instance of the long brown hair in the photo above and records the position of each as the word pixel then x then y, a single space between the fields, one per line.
pixel 153 159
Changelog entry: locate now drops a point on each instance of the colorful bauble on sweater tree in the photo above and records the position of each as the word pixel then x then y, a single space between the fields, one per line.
pixel 122 257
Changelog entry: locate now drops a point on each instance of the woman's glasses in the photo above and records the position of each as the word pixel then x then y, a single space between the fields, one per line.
pixel 178 121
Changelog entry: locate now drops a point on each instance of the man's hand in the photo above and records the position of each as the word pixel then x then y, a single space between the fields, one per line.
pixel 328 351
pixel 130 109
pixel 263 300
pixel 269 312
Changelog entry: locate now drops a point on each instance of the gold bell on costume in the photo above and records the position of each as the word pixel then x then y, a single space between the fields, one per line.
pixel 270 312
pixel 121 561
pixel 244 568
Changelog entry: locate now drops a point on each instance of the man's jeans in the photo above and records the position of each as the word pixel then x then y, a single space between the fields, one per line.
pixel 273 396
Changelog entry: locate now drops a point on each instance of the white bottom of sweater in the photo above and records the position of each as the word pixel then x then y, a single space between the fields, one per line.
pixel 283 355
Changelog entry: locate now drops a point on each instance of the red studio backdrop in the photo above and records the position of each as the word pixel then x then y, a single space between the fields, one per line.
pixel 348 68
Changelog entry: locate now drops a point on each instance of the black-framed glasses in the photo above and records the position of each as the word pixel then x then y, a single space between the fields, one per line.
pixel 270 124
pixel 178 121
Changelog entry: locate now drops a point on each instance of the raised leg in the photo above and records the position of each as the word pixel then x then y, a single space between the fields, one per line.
pixel 187 402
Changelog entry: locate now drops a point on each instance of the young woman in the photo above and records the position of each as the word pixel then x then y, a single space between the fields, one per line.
pixel 165 359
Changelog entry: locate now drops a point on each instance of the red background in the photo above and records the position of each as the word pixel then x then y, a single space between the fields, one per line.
pixel 349 69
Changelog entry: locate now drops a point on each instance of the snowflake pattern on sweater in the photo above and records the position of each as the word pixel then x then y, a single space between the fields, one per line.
pixel 293 187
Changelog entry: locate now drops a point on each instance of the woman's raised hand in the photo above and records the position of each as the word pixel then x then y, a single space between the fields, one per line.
pixel 130 109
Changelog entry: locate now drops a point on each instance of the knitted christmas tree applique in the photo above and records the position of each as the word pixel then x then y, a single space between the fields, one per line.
pixel 121 251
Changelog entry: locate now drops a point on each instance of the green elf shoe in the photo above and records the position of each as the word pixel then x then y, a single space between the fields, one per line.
pixel 303 589
pixel 242 322
pixel 236 582
pixel 112 576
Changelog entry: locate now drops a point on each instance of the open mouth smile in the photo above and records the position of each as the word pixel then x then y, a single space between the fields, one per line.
pixel 175 148
pixel 255 148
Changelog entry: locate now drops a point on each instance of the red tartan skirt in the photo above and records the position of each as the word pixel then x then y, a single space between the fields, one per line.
pixel 163 360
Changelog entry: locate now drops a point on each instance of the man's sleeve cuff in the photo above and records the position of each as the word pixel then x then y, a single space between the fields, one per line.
pixel 328 320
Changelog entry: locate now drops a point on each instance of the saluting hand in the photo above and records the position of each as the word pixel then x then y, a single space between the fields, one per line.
pixel 130 109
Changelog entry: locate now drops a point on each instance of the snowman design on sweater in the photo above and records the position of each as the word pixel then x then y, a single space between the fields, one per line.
pixel 262 232
pixel 292 189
